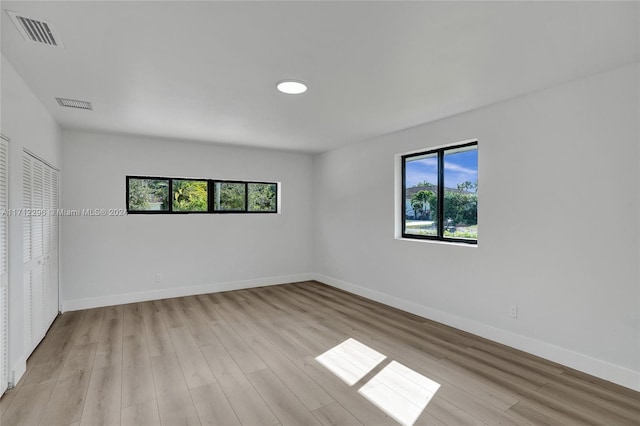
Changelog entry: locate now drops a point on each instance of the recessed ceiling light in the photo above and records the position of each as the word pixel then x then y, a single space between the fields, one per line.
pixel 291 87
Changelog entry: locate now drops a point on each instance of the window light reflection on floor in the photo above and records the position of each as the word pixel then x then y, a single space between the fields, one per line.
pixel 397 390
pixel 400 392
pixel 350 360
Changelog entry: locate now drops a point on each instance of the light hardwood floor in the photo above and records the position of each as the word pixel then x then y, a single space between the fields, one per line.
pixel 248 357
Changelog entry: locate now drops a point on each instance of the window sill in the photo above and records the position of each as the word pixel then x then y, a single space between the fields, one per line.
pixel 449 243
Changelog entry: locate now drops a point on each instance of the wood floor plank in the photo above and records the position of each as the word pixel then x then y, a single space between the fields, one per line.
pixel 519 357
pixel 137 379
pixel 213 407
pixel 208 306
pixel 89 328
pixel 597 409
pixel 246 358
pixel 28 405
pixel 471 404
pixel 102 403
pixel 109 350
pixel 308 337
pixel 194 366
pixel 47 369
pixel 198 324
pixel 427 419
pixel 287 345
pixel 335 414
pixel 249 407
pixel 196 319
pixel 312 395
pixel 133 319
pixel 7 399
pixel 60 340
pixel 137 384
pixel 289 409
pixel 167 375
pixel 135 349
pixel 506 369
pixel 614 389
pixel 170 313
pixel 37 353
pixel 143 414
pixel 156 330
pixel 176 409
pixel 620 398
pixel 372 321
pixel 67 400
pixel 449 414
pixel 540 414
pixel 114 311
pixel 79 359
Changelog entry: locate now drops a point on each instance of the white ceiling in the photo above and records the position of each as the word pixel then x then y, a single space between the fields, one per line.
pixel 207 70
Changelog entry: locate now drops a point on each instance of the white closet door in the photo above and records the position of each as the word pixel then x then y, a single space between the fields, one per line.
pixel 53 299
pixel 40 187
pixel 50 281
pixel 4 292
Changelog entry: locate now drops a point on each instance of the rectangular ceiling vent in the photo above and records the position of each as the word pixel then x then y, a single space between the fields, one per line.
pixel 72 103
pixel 34 30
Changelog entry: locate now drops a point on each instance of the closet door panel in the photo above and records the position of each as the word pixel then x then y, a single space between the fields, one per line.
pixel 27 311
pixel 37 205
pixel 51 279
pixel 4 279
pixel 27 162
pixel 53 258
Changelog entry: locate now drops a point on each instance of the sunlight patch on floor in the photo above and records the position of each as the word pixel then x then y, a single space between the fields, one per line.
pixel 397 390
pixel 400 392
pixel 350 360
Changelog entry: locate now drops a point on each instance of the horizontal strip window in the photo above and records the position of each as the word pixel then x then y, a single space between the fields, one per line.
pixel 163 195
pixel 440 194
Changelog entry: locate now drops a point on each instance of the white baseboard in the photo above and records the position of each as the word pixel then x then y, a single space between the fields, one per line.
pixel 602 369
pixel 143 296
pixel 17 371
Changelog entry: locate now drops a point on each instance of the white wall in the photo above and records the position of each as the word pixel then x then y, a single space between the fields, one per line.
pixel 558 226
pixel 29 125
pixel 107 260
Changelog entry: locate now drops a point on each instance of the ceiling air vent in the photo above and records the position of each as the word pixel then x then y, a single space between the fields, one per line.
pixel 72 103
pixel 35 30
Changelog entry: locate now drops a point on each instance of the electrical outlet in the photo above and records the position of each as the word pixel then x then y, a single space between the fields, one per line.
pixel 158 278
pixel 513 311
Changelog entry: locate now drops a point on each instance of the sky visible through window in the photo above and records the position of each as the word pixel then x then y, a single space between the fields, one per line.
pixel 459 168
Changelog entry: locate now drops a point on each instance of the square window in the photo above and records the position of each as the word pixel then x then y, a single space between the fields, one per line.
pixel 263 197
pixel 147 195
pixel 189 195
pixel 230 196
